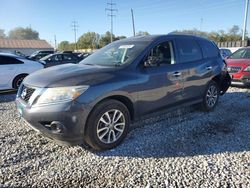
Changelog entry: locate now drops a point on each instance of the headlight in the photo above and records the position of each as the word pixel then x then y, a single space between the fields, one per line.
pixel 60 94
pixel 247 69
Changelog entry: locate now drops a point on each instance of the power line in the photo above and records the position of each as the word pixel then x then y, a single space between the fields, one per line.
pixel 111 14
pixel 75 26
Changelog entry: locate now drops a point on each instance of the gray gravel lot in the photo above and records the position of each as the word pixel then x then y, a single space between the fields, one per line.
pixel 186 148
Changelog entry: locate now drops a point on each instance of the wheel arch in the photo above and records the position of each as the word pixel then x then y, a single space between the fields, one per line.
pixel 19 75
pixel 123 99
pixel 223 82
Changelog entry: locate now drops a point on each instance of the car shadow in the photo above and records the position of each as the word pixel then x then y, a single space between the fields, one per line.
pixel 190 132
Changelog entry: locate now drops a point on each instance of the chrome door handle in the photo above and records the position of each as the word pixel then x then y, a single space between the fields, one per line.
pixel 176 74
pixel 209 67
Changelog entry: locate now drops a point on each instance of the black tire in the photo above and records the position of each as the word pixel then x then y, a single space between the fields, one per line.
pixel 18 80
pixel 95 125
pixel 211 96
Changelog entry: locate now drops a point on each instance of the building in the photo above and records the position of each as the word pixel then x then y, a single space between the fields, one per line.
pixel 233 45
pixel 26 47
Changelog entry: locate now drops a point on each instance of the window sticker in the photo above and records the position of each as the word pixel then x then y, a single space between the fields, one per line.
pixel 126 46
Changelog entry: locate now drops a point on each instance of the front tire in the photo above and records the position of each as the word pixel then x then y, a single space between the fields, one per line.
pixel 108 125
pixel 211 97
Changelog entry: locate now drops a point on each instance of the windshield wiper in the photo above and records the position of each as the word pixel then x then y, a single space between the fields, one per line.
pixel 117 63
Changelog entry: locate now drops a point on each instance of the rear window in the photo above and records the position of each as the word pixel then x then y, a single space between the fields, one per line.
pixel 5 60
pixel 209 49
pixel 188 50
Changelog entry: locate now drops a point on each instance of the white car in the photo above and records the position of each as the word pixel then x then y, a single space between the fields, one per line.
pixel 13 69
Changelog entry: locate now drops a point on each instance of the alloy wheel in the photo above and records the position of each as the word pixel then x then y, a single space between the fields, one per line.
pixel 110 126
pixel 19 81
pixel 212 96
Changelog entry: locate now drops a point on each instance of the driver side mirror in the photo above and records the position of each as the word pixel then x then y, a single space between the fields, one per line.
pixel 152 61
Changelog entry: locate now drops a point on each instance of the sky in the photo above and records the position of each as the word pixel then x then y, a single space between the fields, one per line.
pixel 54 17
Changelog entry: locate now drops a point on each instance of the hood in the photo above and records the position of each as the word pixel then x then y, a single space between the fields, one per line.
pixel 69 75
pixel 238 62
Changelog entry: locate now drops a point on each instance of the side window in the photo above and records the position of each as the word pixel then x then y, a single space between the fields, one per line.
pixel 56 58
pixel 68 57
pixel 4 60
pixel 162 53
pixel 188 50
pixel 209 49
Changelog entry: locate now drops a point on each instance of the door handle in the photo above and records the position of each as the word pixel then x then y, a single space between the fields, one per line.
pixel 209 67
pixel 177 74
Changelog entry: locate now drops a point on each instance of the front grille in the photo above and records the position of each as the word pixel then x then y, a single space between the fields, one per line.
pixel 26 93
pixel 233 69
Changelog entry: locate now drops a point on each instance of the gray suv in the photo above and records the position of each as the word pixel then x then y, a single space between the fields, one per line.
pixel 95 101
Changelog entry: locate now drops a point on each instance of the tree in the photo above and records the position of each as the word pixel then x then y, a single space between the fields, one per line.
pixel 217 36
pixel 120 37
pixel 88 40
pixel 105 39
pixel 142 33
pixel 65 45
pixel 23 33
pixel 234 30
pixel 2 34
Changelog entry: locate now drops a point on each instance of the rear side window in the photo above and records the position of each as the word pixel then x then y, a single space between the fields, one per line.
pixel 4 60
pixel 69 57
pixel 209 49
pixel 188 50
pixel 55 58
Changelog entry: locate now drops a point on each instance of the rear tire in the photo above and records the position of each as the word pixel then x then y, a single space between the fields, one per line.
pixel 108 125
pixel 18 80
pixel 211 97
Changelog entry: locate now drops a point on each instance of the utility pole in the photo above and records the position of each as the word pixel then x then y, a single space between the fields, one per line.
pixel 201 24
pixel 111 14
pixel 133 21
pixel 55 42
pixel 75 26
pixel 245 20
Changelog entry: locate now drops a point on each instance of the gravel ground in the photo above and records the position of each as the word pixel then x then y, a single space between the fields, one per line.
pixel 186 148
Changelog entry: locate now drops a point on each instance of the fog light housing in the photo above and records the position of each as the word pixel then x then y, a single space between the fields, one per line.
pixel 54 126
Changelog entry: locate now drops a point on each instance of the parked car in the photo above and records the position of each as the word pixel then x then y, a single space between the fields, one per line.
pixel 225 52
pixel 80 55
pixel 83 55
pixel 59 59
pixel 96 100
pixel 239 67
pixel 40 54
pixel 13 69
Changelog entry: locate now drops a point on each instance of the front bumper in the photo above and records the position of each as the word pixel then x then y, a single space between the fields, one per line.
pixel 70 118
pixel 240 80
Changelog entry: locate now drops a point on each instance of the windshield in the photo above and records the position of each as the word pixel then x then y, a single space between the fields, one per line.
pixel 117 53
pixel 241 54
pixel 35 53
pixel 46 57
